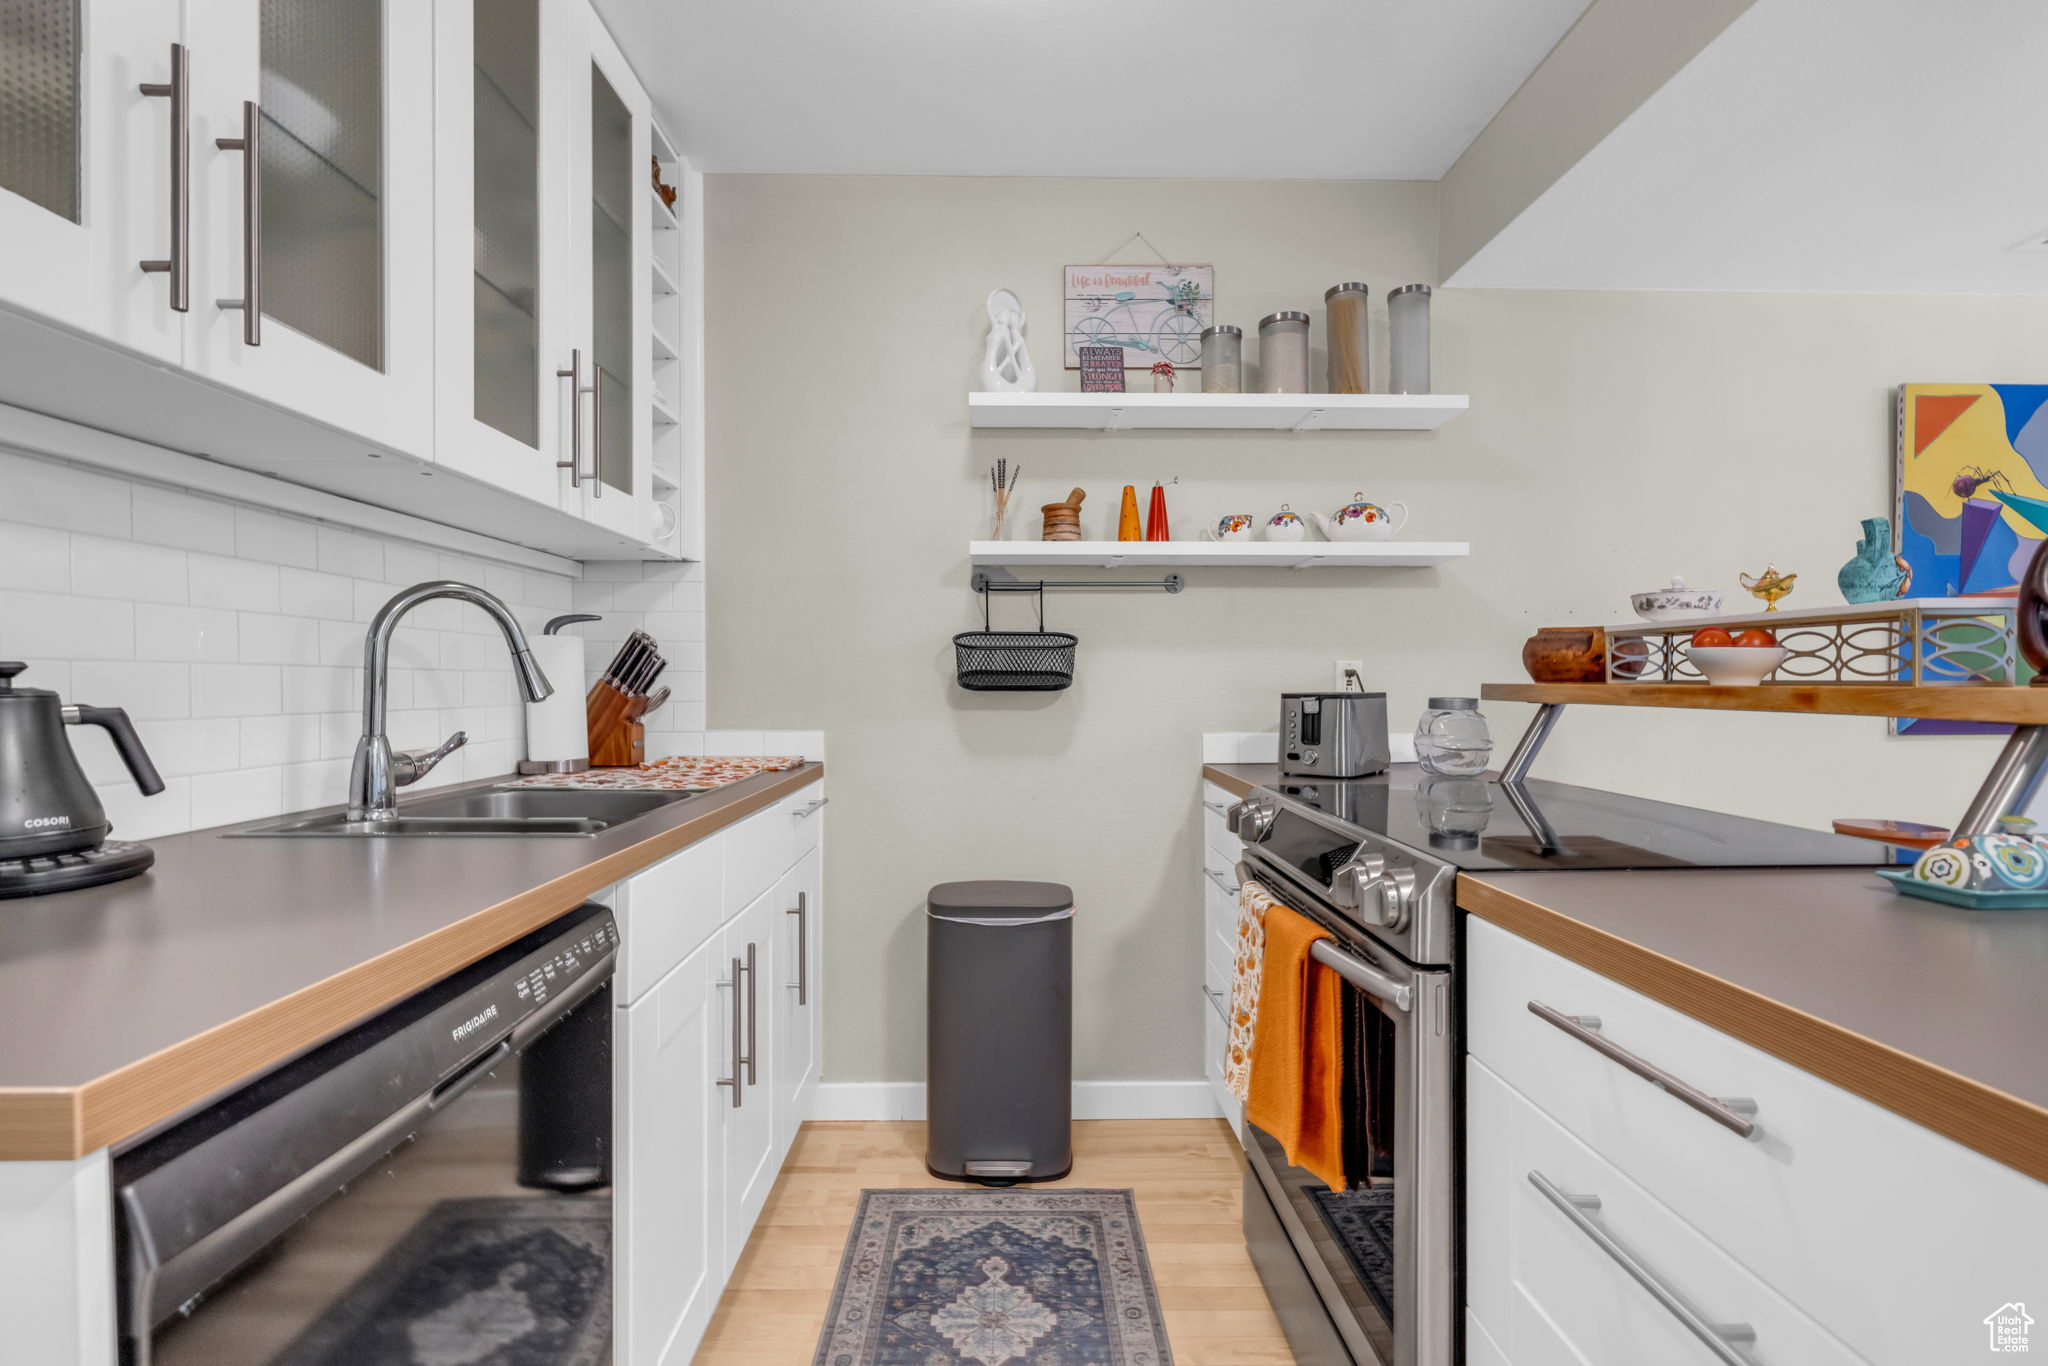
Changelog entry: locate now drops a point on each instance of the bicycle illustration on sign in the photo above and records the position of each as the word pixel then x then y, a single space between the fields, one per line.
pixel 1153 313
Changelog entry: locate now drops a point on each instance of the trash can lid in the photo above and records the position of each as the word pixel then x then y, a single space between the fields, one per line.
pixel 1000 900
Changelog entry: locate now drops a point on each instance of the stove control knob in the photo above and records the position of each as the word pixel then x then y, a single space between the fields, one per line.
pixel 1395 897
pixel 1353 886
pixel 1248 820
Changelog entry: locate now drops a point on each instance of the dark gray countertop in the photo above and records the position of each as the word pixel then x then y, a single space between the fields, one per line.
pixel 122 1004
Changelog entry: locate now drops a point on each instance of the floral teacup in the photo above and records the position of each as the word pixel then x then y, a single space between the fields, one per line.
pixel 1235 526
pixel 1285 525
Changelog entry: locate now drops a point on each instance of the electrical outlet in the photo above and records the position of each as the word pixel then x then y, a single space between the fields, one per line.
pixel 1349 675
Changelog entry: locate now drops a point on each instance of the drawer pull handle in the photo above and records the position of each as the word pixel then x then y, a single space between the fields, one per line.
pixel 1736 1115
pixel 1221 879
pixel 1722 1339
pixel 1220 808
pixel 812 808
pixel 1216 999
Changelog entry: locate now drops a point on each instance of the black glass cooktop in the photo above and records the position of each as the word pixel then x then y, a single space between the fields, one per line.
pixel 1478 824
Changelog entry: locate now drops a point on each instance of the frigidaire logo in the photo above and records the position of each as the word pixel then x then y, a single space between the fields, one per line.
pixel 474 1023
pixel 46 823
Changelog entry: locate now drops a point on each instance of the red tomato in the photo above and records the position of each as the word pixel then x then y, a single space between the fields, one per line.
pixel 1710 636
pixel 1756 638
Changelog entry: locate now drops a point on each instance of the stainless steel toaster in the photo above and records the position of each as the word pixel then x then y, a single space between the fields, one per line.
pixel 1333 734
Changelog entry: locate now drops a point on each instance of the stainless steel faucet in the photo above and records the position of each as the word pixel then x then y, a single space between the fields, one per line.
pixel 378 771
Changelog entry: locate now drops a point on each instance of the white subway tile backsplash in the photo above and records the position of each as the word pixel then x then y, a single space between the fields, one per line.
pixel 46 493
pixel 184 520
pixel 276 639
pixel 279 540
pixel 236 690
pixel 136 817
pixel 318 688
pixel 35 558
pixel 209 635
pixel 267 741
pixel 219 581
pixel 349 554
pixel 59 626
pixel 245 795
pixel 103 568
pixel 410 564
pixel 146 691
pixel 309 593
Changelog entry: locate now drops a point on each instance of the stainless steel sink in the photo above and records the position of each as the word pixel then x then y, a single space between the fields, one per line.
pixel 489 811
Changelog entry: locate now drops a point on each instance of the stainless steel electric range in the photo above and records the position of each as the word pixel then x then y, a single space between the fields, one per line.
pixel 1368 1276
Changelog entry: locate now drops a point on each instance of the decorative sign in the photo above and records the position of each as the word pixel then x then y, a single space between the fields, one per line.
pixel 1102 369
pixel 1149 313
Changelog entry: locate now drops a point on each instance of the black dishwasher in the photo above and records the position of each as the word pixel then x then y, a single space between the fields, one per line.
pixel 433 1184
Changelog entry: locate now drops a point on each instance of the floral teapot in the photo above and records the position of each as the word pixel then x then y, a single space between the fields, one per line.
pixel 1362 521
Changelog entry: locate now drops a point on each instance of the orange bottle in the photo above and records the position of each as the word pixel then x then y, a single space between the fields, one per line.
pixel 1127 519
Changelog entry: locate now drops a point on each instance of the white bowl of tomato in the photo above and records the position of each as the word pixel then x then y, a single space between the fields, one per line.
pixel 1735 660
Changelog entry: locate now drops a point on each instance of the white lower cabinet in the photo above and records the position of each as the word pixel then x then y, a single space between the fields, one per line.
pixel 1838 1230
pixel 717 1065
pixel 669 1213
pixel 1219 945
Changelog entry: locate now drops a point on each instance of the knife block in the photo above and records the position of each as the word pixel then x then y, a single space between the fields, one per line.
pixel 617 739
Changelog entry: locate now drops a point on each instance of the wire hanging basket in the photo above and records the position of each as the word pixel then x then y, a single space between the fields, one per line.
pixel 1014 661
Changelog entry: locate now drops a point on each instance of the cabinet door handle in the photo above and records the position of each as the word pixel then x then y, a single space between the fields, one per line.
pixel 1722 1339
pixel 803 945
pixel 738 1088
pixel 1736 1115
pixel 1222 880
pixel 179 91
pixel 753 1020
pixel 574 374
pixel 250 145
pixel 811 809
pixel 596 428
pixel 1216 1000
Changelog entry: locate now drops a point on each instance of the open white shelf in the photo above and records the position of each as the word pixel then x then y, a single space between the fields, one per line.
pixel 1220 412
pixel 664 349
pixel 1245 554
pixel 665 219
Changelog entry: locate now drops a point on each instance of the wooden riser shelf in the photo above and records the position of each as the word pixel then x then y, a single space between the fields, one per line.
pixel 1994 703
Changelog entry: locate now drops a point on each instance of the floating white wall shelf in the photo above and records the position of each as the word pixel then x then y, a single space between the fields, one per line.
pixel 1218 412
pixel 1244 554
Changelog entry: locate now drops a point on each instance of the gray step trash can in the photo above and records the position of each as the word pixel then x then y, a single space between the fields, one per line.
pixel 999 1031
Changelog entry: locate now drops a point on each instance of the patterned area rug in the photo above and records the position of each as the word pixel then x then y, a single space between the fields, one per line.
pixel 1364 1224
pixel 506 1281
pixel 990 1278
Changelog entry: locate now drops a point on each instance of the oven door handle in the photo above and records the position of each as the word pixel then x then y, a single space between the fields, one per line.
pixel 1363 975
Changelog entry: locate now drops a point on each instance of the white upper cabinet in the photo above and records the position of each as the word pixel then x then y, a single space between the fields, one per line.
pixel 313 255
pixel 501 226
pixel 88 190
pixel 602 339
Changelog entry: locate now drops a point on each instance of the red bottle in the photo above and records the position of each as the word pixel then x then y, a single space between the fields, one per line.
pixel 1155 517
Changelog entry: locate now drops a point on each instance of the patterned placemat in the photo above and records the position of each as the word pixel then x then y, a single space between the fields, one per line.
pixel 956 1278
pixel 680 774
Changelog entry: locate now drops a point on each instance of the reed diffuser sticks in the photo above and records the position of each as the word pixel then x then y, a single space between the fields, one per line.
pixel 1002 479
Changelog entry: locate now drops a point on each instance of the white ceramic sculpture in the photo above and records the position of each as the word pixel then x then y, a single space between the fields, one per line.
pixel 1005 365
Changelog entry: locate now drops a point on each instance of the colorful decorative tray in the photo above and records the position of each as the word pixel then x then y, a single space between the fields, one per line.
pixel 680 774
pixel 2011 899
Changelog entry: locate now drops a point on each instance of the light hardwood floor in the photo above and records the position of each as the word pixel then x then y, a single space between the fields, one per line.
pixel 1185 1174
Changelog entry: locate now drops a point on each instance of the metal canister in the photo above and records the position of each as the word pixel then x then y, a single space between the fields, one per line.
pixel 1283 353
pixel 1408 339
pixel 1222 359
pixel 1344 323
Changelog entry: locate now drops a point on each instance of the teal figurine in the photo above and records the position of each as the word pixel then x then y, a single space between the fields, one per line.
pixel 1876 574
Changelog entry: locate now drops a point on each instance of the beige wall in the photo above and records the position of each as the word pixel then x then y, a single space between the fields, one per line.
pixel 1614 439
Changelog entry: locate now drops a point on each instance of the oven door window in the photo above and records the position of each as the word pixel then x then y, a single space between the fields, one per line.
pixel 460 1246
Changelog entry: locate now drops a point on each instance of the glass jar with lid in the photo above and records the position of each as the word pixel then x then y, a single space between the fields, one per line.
pixel 1222 359
pixel 1283 352
pixel 1344 325
pixel 1452 738
pixel 1408 340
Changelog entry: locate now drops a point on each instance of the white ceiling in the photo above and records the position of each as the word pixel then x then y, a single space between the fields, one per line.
pixel 1339 89
pixel 1866 145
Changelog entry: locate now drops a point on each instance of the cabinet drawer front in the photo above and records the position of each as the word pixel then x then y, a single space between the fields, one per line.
pixel 760 850
pixel 1823 1202
pixel 667 910
pixel 1219 925
pixel 1560 1297
pixel 807 820
pixel 1215 834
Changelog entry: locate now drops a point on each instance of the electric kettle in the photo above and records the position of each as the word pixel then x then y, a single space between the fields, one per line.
pixel 47 807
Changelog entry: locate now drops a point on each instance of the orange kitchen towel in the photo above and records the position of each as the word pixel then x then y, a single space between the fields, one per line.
pixel 1297 1082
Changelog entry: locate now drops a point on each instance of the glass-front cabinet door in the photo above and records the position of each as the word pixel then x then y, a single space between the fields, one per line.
pixel 502 253
pixel 313 167
pixel 609 350
pixel 93 97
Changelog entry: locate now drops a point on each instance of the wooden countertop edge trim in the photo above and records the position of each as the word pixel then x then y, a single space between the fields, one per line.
pixel 1229 782
pixel 65 1123
pixel 2002 1127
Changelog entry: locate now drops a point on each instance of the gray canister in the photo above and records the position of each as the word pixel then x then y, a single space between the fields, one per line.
pixel 999 1031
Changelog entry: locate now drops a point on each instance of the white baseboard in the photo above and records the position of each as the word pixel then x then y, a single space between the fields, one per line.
pixel 1092 1100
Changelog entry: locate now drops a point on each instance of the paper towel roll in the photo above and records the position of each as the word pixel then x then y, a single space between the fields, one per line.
pixel 556 728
